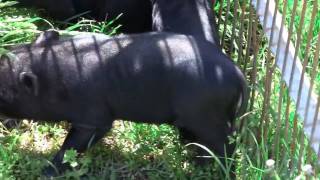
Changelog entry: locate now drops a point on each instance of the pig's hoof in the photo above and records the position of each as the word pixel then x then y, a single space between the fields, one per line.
pixel 11 123
pixel 203 162
pixel 50 172
pixel 54 171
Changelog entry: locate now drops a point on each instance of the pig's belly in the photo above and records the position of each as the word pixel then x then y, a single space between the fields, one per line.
pixel 142 103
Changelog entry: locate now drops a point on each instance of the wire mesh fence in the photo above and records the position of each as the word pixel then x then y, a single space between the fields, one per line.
pixel 277 44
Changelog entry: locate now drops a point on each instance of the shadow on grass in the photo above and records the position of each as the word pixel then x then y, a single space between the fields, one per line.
pixel 113 158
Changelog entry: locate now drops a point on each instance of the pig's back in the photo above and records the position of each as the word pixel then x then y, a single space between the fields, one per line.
pixel 145 73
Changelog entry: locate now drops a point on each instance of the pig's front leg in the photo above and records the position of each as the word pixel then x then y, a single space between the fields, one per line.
pixel 79 138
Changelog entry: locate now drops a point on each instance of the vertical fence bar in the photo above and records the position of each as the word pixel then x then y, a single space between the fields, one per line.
pixel 256 44
pixel 268 79
pixel 244 5
pixel 293 14
pixel 265 14
pixel 249 35
pixel 293 143
pixel 314 125
pixel 220 13
pixel 235 17
pixel 313 75
pixel 225 24
pixel 240 41
pixel 305 63
pixel 282 86
pixel 271 71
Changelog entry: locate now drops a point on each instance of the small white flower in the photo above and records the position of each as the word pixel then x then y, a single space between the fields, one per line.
pixel 270 163
pixel 307 169
pixel 300 177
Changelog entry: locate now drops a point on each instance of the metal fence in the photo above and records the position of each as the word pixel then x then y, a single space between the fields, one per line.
pixel 277 42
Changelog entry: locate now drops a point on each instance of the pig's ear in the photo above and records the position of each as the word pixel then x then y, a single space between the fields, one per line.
pixel 30 82
pixel 47 37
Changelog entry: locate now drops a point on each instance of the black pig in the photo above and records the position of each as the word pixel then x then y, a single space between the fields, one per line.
pixel 136 14
pixel 190 17
pixel 180 16
pixel 91 80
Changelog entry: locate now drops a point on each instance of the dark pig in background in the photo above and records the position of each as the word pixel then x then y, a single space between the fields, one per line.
pixel 190 17
pixel 136 14
pixel 91 80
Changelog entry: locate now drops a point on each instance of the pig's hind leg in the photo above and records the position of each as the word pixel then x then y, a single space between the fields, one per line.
pixel 186 136
pixel 79 138
pixel 210 128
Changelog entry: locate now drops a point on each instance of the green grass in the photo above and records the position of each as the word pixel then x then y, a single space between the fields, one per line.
pixel 258 149
pixel 140 151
